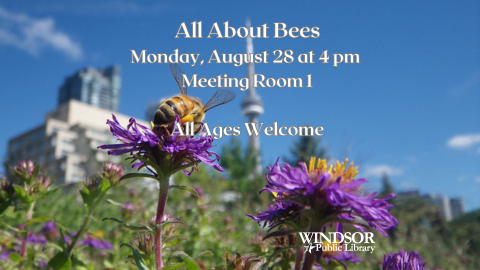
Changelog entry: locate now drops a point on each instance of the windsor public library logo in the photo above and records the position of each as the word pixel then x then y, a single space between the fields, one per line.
pixel 335 241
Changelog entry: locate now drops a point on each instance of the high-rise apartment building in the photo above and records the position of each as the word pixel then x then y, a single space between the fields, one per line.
pixel 458 207
pixel 66 144
pixel 443 204
pixel 100 88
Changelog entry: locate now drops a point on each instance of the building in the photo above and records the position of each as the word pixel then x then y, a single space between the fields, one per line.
pixel 458 207
pixel 66 144
pixel 408 195
pixel 100 88
pixel 443 204
pixel 252 108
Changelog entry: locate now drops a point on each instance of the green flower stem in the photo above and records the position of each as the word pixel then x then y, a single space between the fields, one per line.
pixel 162 201
pixel 298 255
pixel 25 234
pixel 86 221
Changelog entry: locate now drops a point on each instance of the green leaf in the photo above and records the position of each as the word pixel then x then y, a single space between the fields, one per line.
pixel 47 193
pixel 24 197
pixel 147 159
pixel 186 188
pixel 275 254
pixel 61 241
pixel 137 175
pixel 114 202
pixel 130 227
pixel 15 257
pixel 104 186
pixel 165 224
pixel 174 240
pixel 61 261
pixel 35 172
pixel 37 220
pixel 137 257
pixel 206 252
pixel 76 261
pixel 86 196
pixel 52 245
pixel 281 233
pixel 10 227
pixel 5 205
pixel 172 266
pixel 190 263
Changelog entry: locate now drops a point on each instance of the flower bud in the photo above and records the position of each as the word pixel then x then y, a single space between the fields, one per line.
pixel 25 167
pixel 50 230
pixel 128 209
pixel 112 172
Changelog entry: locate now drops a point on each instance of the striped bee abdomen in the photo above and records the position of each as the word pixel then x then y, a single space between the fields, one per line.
pixel 178 105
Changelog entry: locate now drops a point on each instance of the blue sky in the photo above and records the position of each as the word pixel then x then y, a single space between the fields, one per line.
pixel 411 108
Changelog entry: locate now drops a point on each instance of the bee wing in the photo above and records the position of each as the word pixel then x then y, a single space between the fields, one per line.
pixel 222 96
pixel 178 75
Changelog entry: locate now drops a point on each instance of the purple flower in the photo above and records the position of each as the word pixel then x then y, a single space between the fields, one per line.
pixel 134 138
pixel 277 213
pixel 403 261
pixel 4 254
pixel 331 193
pixel 49 226
pixel 195 149
pixel 50 230
pixel 33 238
pixel 95 243
pixel 176 151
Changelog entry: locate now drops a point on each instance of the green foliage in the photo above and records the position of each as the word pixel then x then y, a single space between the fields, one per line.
pixel 305 148
pixel 238 161
pixel 387 187
pixel 214 221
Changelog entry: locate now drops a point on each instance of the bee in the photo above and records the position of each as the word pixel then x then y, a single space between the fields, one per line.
pixel 189 109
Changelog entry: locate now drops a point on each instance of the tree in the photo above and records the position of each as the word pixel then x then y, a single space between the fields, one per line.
pixel 236 160
pixel 387 187
pixel 305 148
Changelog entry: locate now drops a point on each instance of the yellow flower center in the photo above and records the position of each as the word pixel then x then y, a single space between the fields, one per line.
pixel 340 170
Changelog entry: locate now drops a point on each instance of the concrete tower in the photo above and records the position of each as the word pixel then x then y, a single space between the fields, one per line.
pixel 252 107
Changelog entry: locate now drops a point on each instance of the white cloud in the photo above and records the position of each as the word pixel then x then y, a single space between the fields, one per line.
pixel 33 35
pixel 380 170
pixel 464 141
pixel 477 179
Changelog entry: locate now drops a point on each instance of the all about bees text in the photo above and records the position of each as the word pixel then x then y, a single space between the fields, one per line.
pixel 253 129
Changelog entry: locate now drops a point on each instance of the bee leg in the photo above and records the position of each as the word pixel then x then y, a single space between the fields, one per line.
pixel 198 126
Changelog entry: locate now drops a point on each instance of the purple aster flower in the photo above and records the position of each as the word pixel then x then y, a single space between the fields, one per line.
pixel 176 151
pixel 133 137
pixel 277 213
pixel 36 239
pixel 331 193
pixel 49 226
pixel 338 253
pixel 50 230
pixel 4 254
pixel 403 261
pixel 95 243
